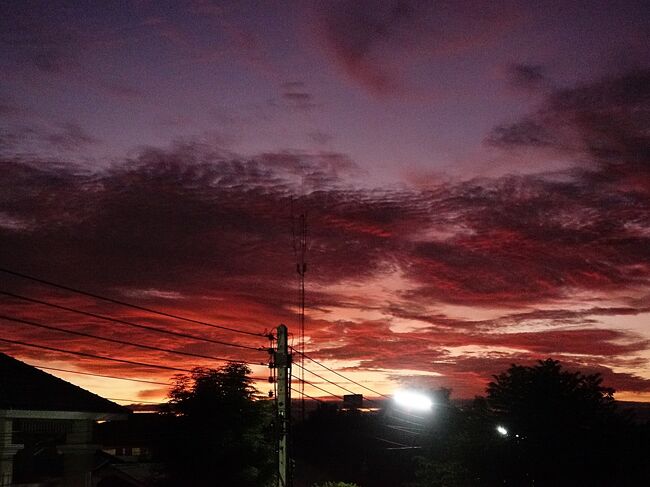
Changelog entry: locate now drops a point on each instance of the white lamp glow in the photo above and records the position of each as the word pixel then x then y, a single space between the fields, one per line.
pixel 412 400
pixel 502 430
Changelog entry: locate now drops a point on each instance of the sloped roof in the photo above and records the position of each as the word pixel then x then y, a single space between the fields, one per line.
pixel 23 387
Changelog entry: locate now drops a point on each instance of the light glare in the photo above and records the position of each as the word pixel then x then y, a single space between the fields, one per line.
pixel 502 430
pixel 413 400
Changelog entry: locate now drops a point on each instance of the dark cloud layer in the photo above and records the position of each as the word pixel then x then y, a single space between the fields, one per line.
pixel 526 76
pixel 375 43
pixel 30 36
pixel 605 123
pixel 191 229
pixel 39 138
pixel 295 96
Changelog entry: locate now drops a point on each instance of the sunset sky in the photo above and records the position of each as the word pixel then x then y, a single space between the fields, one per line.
pixel 475 175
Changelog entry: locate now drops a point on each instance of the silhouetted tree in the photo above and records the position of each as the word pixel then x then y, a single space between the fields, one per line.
pixel 561 429
pixel 560 424
pixel 218 433
pixel 332 442
pixel 543 397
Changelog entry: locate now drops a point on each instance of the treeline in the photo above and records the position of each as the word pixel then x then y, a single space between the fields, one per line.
pixel 537 425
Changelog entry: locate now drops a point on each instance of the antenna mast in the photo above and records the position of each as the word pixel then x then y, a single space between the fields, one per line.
pixel 300 249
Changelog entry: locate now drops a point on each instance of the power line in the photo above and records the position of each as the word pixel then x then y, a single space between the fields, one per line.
pixel 92 355
pixel 339 374
pixel 129 323
pixel 124 342
pixel 297 391
pixel 101 375
pixel 323 378
pixel 404 429
pixel 111 359
pixel 319 388
pixel 124 303
pixel 332 382
pixel 404 420
pixel 121 378
pixel 402 446
pixel 134 401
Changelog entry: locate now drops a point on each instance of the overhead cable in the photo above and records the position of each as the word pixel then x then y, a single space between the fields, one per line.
pixel 100 375
pixel 127 304
pixel 323 378
pixel 134 401
pixel 92 355
pixel 319 388
pixel 42 367
pixel 308 396
pixel 124 342
pixel 128 323
pixel 339 374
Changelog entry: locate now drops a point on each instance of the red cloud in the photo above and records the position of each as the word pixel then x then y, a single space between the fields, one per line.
pixel 200 234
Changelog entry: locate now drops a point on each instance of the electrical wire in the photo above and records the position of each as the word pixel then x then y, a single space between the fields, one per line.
pixel 128 323
pixel 339 374
pixel 99 375
pixel 332 382
pixel 134 401
pixel 107 376
pixel 405 448
pixel 404 420
pixel 308 396
pixel 323 378
pixel 124 342
pixel 347 390
pixel 92 355
pixel 154 329
pixel 319 388
pixel 124 303
pixel 255 378
pixel 404 429
pixel 401 445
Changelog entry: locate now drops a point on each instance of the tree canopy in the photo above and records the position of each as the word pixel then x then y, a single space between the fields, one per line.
pixel 535 398
pixel 538 425
pixel 560 424
pixel 228 389
pixel 218 434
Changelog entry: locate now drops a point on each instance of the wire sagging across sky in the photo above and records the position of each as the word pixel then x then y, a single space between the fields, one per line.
pixel 124 342
pixel 129 305
pixel 127 323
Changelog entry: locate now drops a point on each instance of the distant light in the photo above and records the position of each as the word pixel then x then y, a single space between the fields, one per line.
pixel 412 400
pixel 502 430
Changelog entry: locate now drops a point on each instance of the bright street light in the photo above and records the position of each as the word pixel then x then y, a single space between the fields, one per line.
pixel 412 400
pixel 502 430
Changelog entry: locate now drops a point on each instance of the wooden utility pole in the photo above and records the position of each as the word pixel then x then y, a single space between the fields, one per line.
pixel 282 361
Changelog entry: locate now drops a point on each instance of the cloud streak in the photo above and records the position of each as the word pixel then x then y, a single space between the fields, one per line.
pixel 375 45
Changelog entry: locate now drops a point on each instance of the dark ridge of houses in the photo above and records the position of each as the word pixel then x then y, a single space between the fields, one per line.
pixel 23 387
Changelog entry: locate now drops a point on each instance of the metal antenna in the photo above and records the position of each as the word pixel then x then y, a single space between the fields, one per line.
pixel 299 226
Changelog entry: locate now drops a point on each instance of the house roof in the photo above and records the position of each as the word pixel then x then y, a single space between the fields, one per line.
pixel 24 387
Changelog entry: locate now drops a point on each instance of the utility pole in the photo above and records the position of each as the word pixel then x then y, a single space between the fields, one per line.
pixel 282 361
